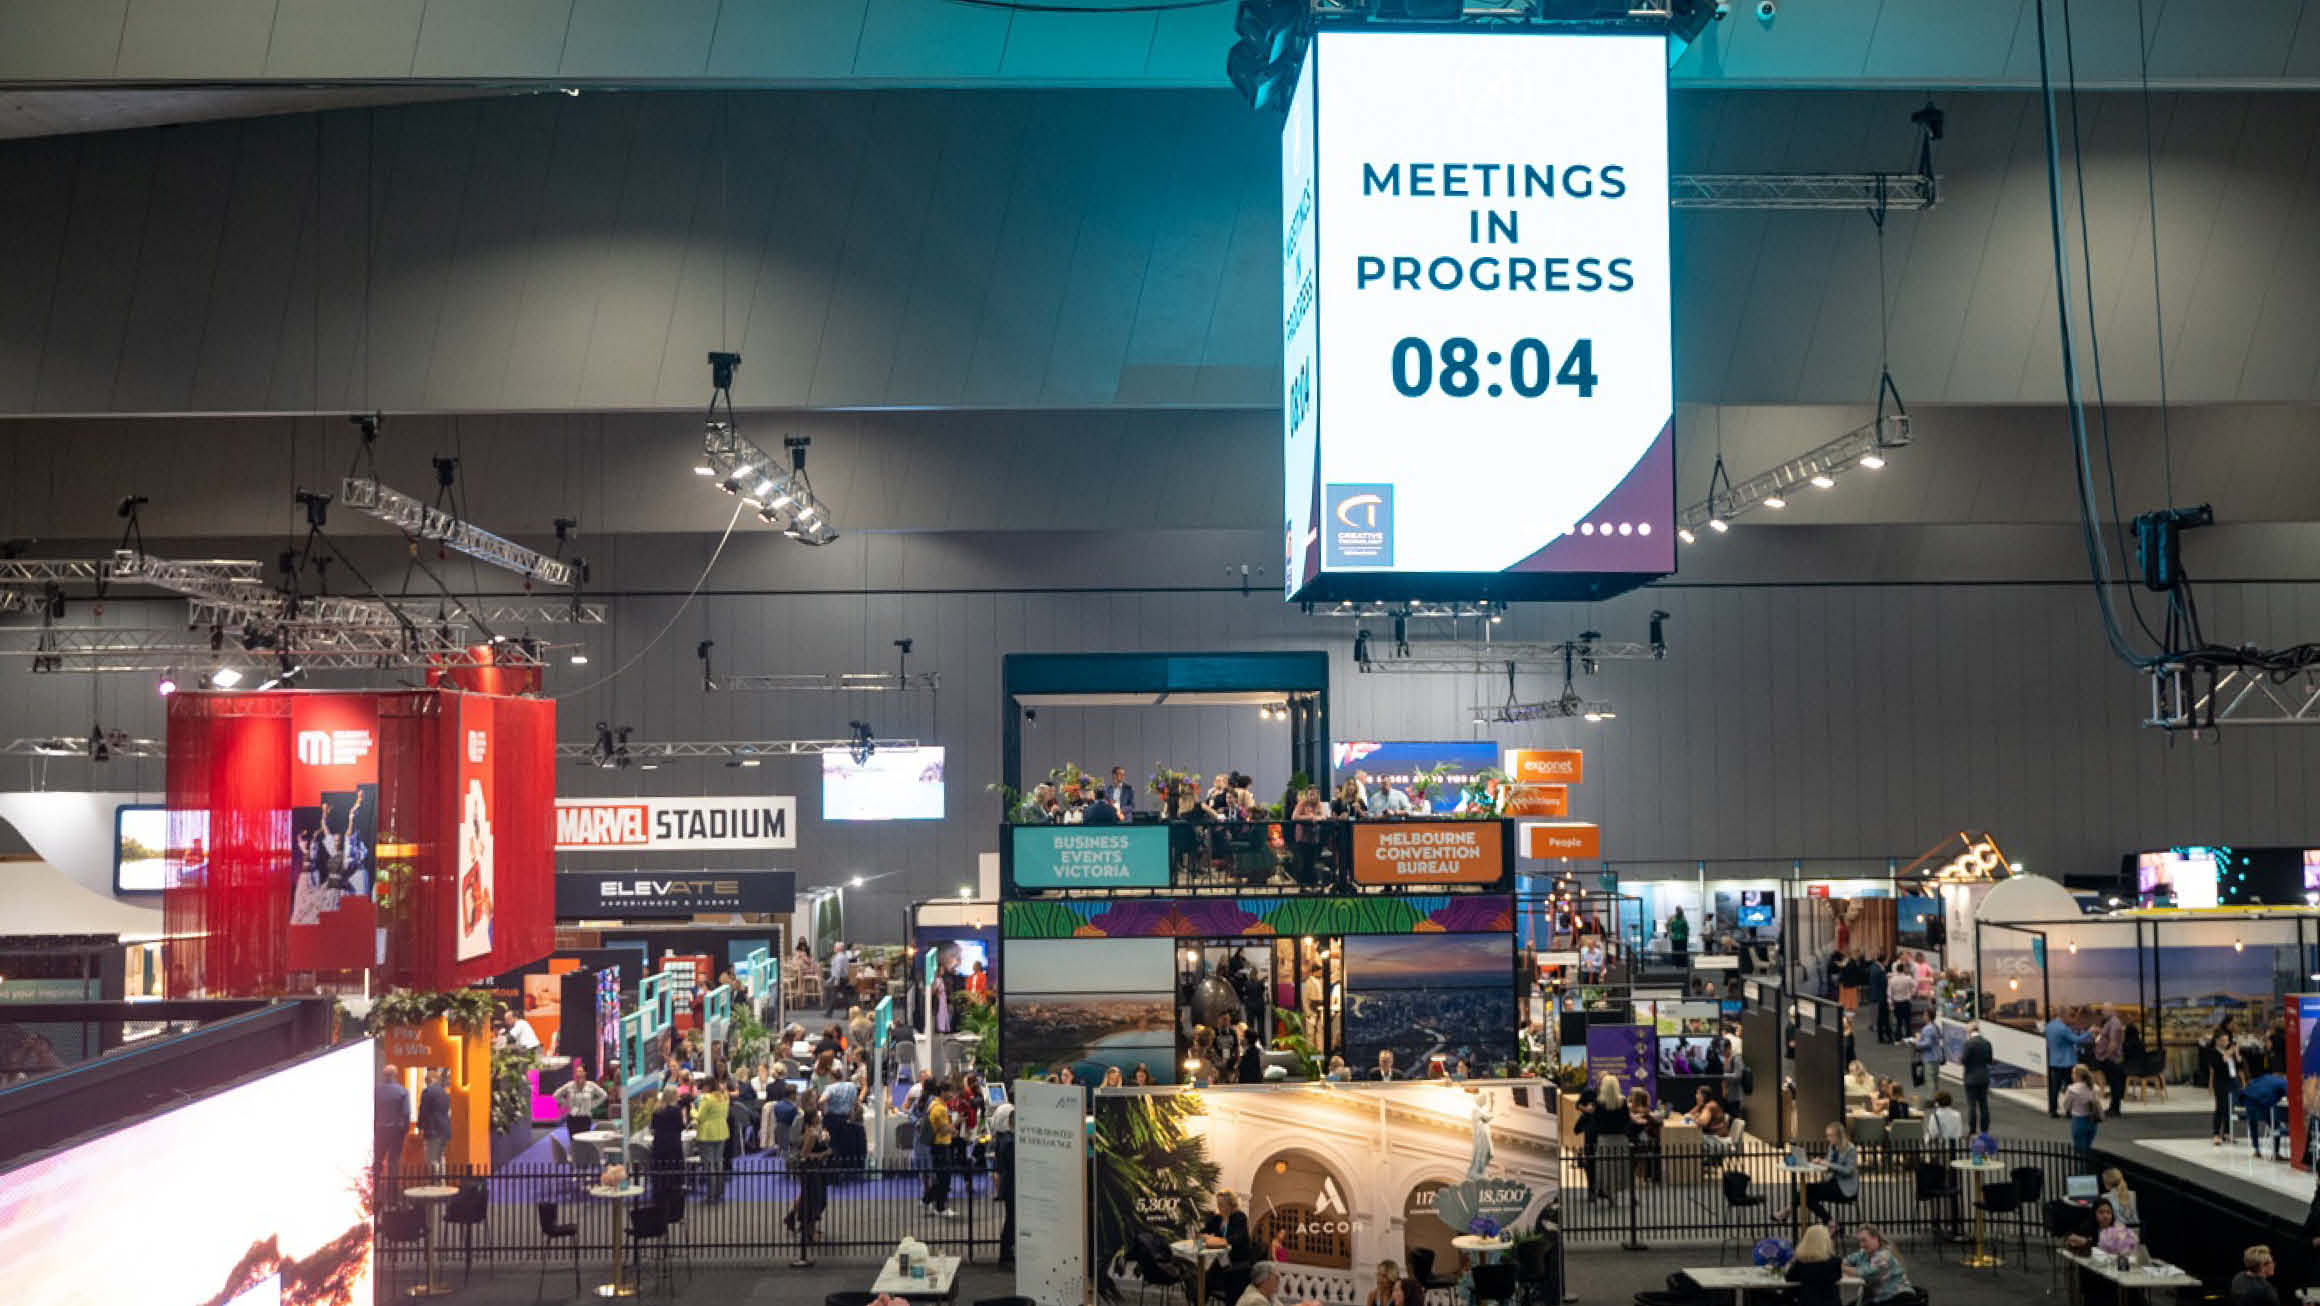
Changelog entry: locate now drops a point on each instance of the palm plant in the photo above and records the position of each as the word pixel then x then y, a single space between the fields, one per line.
pixel 1152 1170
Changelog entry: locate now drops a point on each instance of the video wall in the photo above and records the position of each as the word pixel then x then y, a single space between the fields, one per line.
pixel 1091 1004
pixel 122 1218
pixel 1398 764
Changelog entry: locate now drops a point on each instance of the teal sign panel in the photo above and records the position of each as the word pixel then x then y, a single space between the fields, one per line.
pixel 1090 856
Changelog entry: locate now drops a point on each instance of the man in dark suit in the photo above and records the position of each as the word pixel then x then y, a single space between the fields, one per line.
pixel 1101 811
pixel 1122 794
pixel 1385 1065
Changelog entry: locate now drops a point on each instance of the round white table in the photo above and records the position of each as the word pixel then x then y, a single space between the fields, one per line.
pixel 429 1197
pixel 619 1285
pixel 1197 1253
pixel 1803 1173
pixel 1483 1249
pixel 1982 1258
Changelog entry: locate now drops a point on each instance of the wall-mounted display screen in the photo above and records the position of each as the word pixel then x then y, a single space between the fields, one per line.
pixel 140 848
pixel 2312 870
pixel 2178 877
pixel 297 1233
pixel 1472 243
pixel 1400 764
pixel 892 784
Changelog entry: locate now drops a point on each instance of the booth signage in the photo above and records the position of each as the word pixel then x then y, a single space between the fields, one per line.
pixel 1429 852
pixel 1572 840
pixel 1551 801
pixel 1051 1146
pixel 1083 856
pixel 675 824
pixel 1628 1053
pixel 584 895
pixel 1469 241
pixel 1527 766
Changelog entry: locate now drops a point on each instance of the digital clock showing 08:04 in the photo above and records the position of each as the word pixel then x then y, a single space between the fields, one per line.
pixel 1458 367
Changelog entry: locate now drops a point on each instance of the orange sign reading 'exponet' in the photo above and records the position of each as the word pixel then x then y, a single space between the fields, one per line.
pixel 1428 852
pixel 1545 766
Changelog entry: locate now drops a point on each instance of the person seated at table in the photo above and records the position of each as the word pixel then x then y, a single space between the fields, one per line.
pixel 1844 1179
pixel 1815 1269
pixel 2111 1237
pixel 2121 1198
pixel 1891 1101
pixel 1878 1267
pixel 1859 1082
pixel 2252 1286
pixel 1227 1226
pixel 1943 1123
pixel 1708 1113
pixel 1388 1290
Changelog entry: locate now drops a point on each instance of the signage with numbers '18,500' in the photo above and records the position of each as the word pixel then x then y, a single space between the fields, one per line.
pixel 1477 389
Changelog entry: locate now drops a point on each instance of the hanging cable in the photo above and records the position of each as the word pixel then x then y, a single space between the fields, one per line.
pixel 2158 306
pixel 671 623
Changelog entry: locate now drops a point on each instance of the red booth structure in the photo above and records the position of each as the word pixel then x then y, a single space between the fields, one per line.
pixel 317 836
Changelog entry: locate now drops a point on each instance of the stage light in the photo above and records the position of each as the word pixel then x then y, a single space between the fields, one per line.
pixel 1684 533
pixel 167 686
pixel 965 893
pixel 2074 947
pixel 703 469
pixel 1824 481
pixel 749 761
pixel 763 489
pixel 225 678
pixel 1872 461
pixel 579 659
pixel 1775 501
pixel 2014 984
pixel 1718 525
pixel 2239 945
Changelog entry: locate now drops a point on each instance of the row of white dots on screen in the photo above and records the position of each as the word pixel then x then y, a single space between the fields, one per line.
pixel 1615 528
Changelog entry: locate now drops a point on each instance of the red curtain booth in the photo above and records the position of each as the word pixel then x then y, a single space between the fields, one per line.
pixel 317 835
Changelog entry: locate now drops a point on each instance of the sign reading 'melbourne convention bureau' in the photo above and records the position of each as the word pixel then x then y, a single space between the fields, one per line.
pixel 675 824
pixel 1090 856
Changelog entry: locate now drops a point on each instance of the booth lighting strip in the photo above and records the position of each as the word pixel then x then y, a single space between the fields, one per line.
pixel 430 523
pixel 1863 447
pixel 743 751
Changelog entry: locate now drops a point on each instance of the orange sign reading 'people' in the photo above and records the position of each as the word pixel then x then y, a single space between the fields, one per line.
pixel 1545 765
pixel 1428 852
pixel 1578 840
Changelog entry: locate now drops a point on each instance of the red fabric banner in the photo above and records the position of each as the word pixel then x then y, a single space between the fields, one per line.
pixel 315 822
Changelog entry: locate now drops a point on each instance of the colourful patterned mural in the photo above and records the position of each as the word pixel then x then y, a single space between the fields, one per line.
pixel 1211 918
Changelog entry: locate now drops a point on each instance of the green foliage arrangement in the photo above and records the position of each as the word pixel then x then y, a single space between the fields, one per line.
pixel 470 1011
pixel 1151 1172
pixel 511 1089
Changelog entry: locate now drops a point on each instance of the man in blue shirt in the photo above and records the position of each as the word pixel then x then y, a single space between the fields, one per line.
pixel 840 1101
pixel 2062 1048
pixel 390 1117
pixel 2260 1098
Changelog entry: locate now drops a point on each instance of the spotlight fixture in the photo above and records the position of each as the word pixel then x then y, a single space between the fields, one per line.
pixel 1659 621
pixel 1823 481
pixel 168 684
pixel 863 743
pixel 1872 461
pixel 784 499
pixel 1775 502
pixel 225 678
pixel 579 659
pixel 703 469
pixel 1684 533
pixel 856 882
pixel 965 893
pixel 1263 64
pixel 1864 446
pixel 1718 525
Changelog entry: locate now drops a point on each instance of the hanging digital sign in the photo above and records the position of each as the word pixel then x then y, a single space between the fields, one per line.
pixel 1477 381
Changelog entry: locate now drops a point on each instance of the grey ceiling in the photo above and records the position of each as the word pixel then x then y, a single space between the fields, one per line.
pixel 1021 249
pixel 1841 43
pixel 62 112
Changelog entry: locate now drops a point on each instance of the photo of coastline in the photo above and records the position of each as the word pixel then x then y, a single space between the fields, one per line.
pixel 1049 1030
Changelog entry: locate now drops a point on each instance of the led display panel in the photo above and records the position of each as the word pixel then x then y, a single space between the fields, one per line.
pixel 258 1193
pixel 892 784
pixel 1477 393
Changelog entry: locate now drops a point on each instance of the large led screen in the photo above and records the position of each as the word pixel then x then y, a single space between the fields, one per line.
pixel 892 784
pixel 255 1194
pixel 2179 877
pixel 140 848
pixel 1423 996
pixel 1477 381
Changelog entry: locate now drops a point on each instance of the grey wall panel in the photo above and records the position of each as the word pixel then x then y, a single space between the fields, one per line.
pixel 35 209
pixel 1051 249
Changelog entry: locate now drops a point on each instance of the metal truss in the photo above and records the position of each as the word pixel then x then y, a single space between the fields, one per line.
pixel 1448 657
pixel 841 681
pixel 115 648
pixel 44 571
pixel 2200 697
pixel 116 745
pixel 1862 447
pixel 1805 192
pixel 1554 709
pixel 736 750
pixel 430 523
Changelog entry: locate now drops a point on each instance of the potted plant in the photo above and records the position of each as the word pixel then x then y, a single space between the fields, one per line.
pixel 511 1102
pixel 1425 783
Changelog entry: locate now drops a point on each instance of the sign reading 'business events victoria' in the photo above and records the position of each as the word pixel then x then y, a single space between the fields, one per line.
pixel 632 825
pixel 1084 856
pixel 1429 852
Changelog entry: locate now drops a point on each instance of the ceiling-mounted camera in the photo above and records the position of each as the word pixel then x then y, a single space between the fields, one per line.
pixel 1766 11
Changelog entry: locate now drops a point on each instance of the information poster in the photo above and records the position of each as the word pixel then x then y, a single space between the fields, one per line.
pixel 1051 1261
pixel 476 851
pixel 1472 243
pixel 1629 1053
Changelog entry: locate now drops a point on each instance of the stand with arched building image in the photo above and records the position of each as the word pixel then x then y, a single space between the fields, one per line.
pixel 1334 1177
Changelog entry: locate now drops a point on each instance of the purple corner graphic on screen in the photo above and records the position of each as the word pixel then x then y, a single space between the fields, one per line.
pixel 1643 502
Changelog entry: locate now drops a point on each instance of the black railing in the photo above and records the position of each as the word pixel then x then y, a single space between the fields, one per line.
pixel 862 1215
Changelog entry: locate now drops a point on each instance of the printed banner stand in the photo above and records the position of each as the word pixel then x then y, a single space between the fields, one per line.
pixel 2303 1070
pixel 1051 1260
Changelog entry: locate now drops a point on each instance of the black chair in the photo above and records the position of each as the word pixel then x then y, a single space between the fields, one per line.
pixel 1534 1269
pixel 1157 1267
pixel 402 1224
pixel 468 1210
pixel 1936 1183
pixel 849 1299
pixel 1494 1282
pixel 646 1224
pixel 552 1229
pixel 672 1208
pixel 1741 1205
pixel 1422 1269
pixel 1005 1301
pixel 2029 1187
pixel 2000 1200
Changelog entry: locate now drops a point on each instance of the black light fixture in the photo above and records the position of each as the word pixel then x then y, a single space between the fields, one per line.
pixel 1658 635
pixel 1263 64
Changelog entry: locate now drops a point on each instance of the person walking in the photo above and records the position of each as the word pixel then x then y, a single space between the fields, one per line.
pixel 940 1136
pixel 1679 932
pixel 2082 1102
pixel 2063 1044
pixel 2219 1066
pixel 813 1184
pixel 1930 1052
pixel 435 1117
pixel 839 982
pixel 390 1119
pixel 1974 1066
pixel 2110 1057
pixel 1003 1177
pixel 712 1126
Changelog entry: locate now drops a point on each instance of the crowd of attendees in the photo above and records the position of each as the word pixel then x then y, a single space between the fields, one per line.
pixel 1229 797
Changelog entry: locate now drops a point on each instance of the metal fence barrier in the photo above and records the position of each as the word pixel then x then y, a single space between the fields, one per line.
pixel 863 1215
